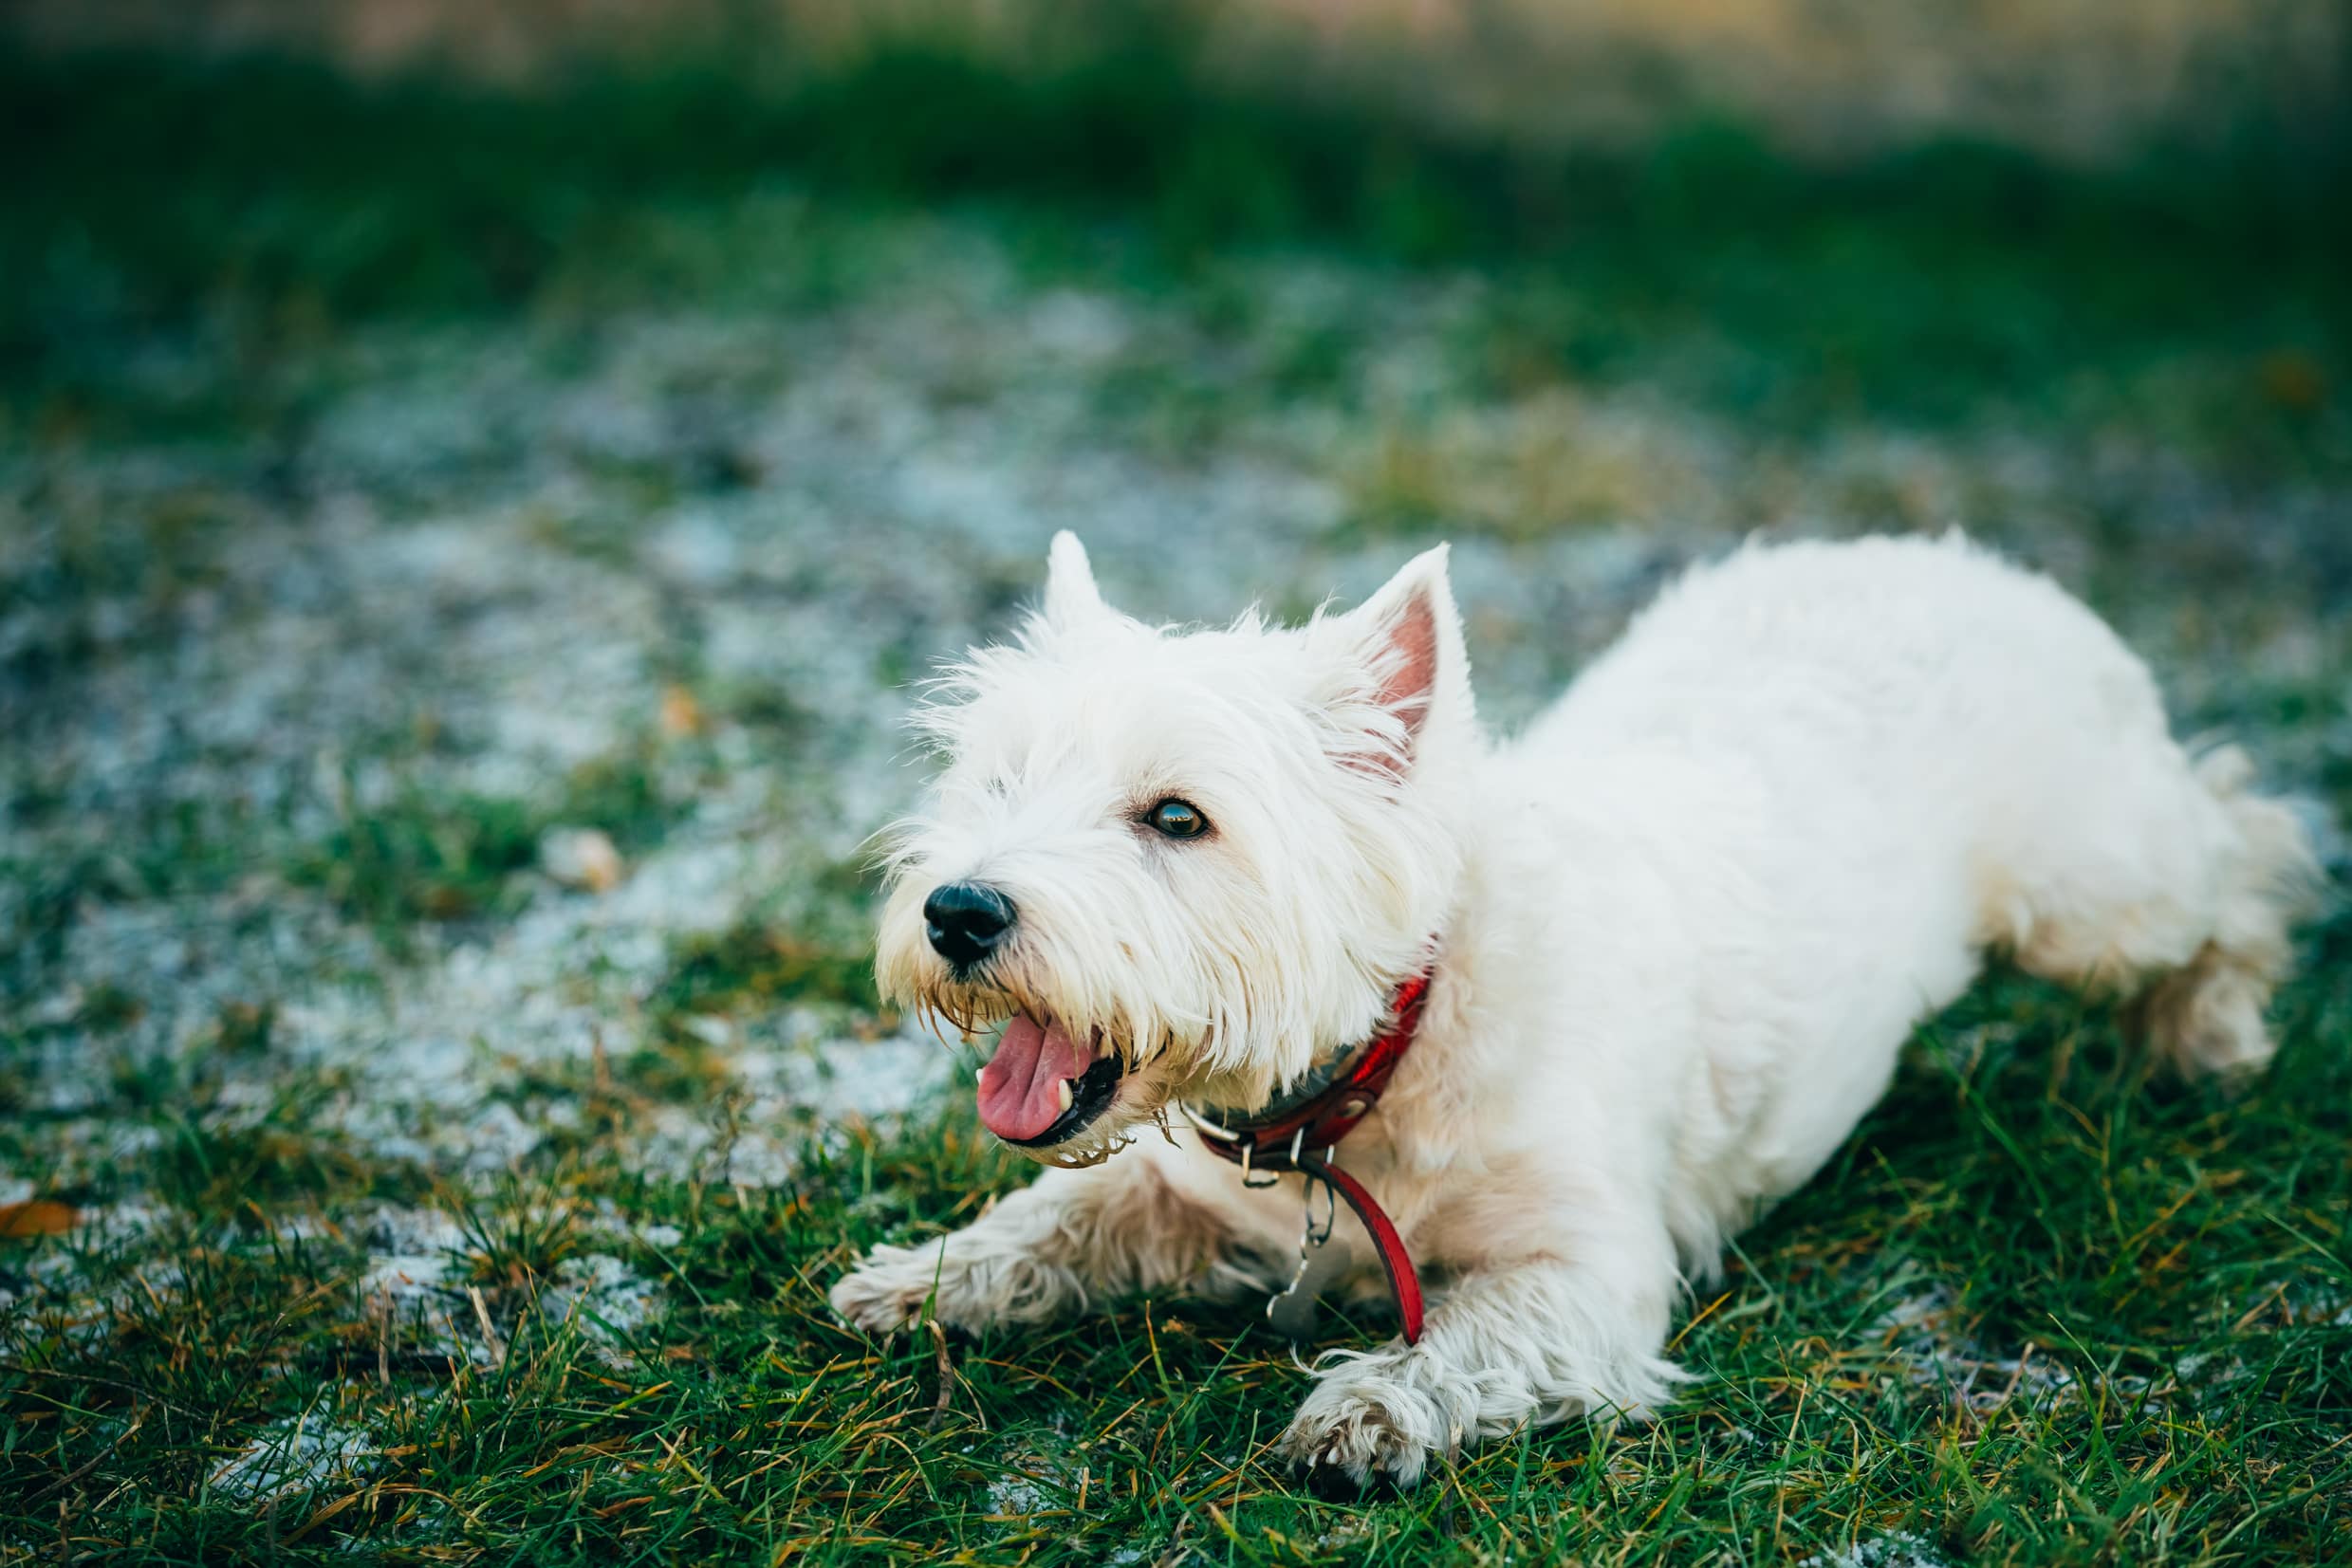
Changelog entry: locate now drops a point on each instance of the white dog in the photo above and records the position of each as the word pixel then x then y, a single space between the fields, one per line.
pixel 1674 936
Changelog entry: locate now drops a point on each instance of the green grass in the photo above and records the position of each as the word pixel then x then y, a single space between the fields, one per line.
pixel 427 854
pixel 753 966
pixel 2177 1257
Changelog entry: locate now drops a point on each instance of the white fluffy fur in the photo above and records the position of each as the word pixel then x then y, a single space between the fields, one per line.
pixel 1681 926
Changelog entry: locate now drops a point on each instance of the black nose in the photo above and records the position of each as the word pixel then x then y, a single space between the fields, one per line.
pixel 966 921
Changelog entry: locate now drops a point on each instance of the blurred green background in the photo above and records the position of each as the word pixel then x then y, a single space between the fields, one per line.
pixel 1902 208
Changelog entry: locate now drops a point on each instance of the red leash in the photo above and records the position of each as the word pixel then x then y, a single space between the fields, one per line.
pixel 1295 1137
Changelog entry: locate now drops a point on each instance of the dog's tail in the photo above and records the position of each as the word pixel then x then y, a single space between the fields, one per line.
pixel 2207 1015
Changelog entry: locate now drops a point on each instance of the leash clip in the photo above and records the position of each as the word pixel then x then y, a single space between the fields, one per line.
pixel 1330 1212
pixel 1292 1312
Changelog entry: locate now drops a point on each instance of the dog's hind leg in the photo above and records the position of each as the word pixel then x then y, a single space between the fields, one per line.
pixel 2207 1015
pixel 1145 1221
pixel 2171 879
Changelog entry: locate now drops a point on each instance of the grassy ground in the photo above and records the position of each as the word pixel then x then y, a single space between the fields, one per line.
pixel 458 562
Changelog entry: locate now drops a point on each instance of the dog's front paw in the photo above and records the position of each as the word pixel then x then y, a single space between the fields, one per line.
pixel 890 1290
pixel 1368 1428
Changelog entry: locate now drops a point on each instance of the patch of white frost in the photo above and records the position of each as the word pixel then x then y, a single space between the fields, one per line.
pixel 1896 1549
pixel 298 1454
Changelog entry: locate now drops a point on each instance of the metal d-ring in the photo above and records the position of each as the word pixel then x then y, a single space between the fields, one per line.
pixel 1330 1211
pixel 1268 1178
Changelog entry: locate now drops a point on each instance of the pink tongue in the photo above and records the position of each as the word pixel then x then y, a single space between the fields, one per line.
pixel 1021 1088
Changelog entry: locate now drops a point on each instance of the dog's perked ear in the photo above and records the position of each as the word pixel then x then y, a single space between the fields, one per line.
pixel 1071 594
pixel 1406 642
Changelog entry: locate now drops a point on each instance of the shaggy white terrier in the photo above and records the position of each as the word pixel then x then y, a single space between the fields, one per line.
pixel 1678 931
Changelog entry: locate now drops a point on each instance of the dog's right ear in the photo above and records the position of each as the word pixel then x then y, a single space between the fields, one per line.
pixel 1071 594
pixel 1407 641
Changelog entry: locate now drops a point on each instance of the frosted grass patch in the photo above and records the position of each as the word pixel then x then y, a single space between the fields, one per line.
pixel 299 1453
pixel 1931 1353
pixel 817 1090
pixel 414 1280
pixel 1896 1549
pixel 610 1302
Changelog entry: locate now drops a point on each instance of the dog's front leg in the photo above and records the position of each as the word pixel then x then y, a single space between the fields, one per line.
pixel 1140 1222
pixel 1536 1341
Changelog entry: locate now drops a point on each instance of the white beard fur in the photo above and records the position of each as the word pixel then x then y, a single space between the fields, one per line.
pixel 1683 926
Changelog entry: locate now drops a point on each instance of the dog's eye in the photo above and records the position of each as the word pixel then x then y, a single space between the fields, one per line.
pixel 1177 818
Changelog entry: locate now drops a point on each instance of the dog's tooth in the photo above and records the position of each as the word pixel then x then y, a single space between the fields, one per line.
pixel 1065 1094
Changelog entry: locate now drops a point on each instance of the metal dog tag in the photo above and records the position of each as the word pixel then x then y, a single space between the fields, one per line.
pixel 1293 1313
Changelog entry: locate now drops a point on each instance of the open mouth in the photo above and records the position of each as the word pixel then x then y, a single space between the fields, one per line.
pixel 1045 1085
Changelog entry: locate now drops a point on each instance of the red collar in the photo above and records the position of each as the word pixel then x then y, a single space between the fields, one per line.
pixel 1295 1136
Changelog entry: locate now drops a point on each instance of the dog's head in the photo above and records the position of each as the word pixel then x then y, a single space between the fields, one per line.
pixel 1177 863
